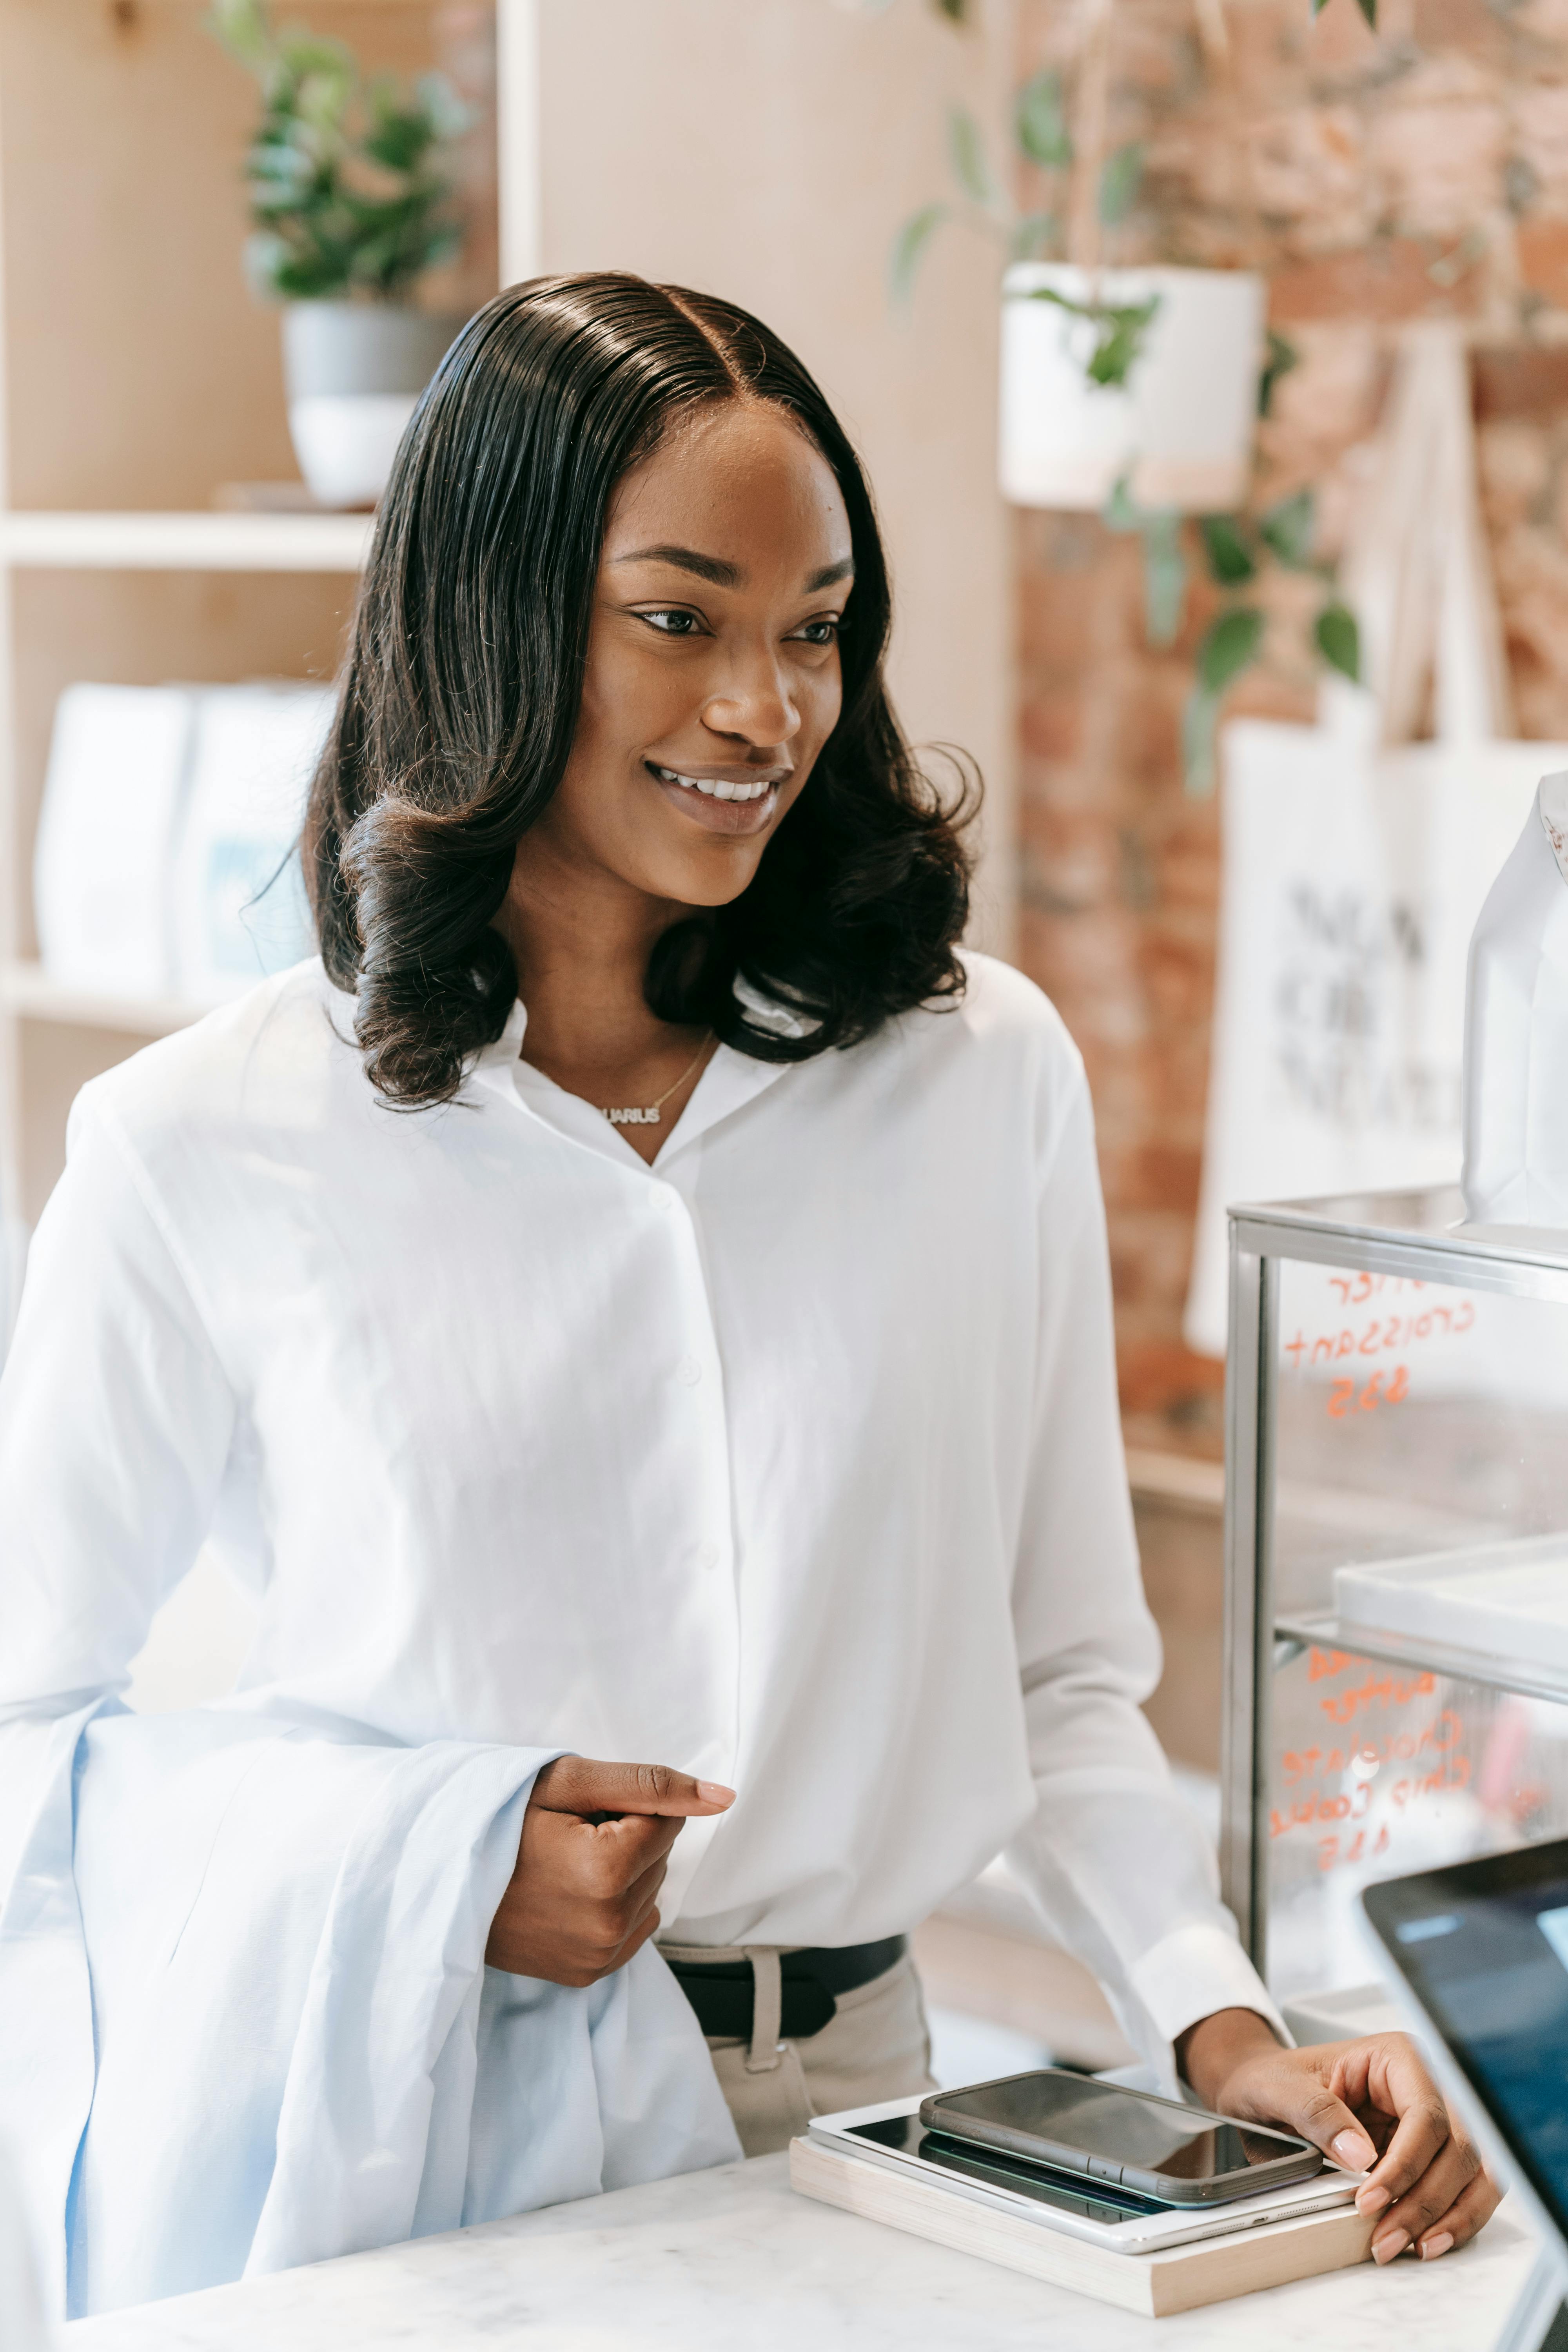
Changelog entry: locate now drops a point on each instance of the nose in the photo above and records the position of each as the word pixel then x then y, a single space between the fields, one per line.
pixel 755 702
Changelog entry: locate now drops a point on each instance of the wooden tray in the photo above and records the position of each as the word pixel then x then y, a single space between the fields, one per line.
pixel 1178 2278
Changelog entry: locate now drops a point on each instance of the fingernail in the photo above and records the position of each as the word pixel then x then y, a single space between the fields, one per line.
pixel 1371 2199
pixel 1392 2242
pixel 714 1792
pixel 1432 2247
pixel 1352 2149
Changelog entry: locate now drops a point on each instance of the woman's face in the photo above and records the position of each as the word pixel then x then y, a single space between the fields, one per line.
pixel 712 678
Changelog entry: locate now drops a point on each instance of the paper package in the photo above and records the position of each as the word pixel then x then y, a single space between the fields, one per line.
pixel 1516 1030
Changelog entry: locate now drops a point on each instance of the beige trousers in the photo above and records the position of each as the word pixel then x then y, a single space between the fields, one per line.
pixel 877 2047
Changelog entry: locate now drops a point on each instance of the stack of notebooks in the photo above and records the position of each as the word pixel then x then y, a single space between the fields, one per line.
pixel 1250 2250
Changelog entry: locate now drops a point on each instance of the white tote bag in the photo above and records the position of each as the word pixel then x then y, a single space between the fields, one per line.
pixel 1357 860
pixel 1516 1032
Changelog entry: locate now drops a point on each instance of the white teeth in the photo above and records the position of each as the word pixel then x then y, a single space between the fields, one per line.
pixel 717 788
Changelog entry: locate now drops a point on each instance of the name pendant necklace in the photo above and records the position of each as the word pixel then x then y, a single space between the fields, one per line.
pixel 648 1115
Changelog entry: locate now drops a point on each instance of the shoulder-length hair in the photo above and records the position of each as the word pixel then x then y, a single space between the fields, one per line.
pixel 460 693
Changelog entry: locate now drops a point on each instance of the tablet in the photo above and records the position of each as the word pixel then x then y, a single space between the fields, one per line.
pixel 1483 1949
pixel 1106 2215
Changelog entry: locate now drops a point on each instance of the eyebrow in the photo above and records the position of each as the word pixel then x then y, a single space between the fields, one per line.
pixel 729 575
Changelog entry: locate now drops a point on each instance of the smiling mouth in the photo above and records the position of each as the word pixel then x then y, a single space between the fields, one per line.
pixel 718 788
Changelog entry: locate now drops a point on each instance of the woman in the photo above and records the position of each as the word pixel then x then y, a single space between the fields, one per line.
pixel 643 1297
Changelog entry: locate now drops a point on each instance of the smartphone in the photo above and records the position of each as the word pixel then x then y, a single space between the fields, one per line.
pixel 1156 2147
pixel 892 2138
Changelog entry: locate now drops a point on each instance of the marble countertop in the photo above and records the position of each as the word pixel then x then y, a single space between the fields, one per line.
pixel 733 2257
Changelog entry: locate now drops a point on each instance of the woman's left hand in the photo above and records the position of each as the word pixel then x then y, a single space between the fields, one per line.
pixel 1370 2105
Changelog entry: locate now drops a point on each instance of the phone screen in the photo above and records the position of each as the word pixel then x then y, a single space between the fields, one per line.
pixel 1105 2126
pixel 1094 2201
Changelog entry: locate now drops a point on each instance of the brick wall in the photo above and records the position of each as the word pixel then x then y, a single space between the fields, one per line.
pixel 1421 171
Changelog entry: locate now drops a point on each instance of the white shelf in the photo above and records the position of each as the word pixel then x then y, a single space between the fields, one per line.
pixel 185 542
pixel 1296 1632
pixel 28 989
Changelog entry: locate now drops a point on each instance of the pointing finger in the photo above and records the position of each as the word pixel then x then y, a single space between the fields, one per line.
pixel 577 1784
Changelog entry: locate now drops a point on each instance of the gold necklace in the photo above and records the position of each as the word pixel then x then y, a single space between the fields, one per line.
pixel 649 1115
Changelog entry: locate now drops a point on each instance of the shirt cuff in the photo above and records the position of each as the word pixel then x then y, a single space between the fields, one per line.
pixel 1195 1971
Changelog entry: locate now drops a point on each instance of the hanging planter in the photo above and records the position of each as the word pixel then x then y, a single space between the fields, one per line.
pixel 1142 376
pixel 1135 392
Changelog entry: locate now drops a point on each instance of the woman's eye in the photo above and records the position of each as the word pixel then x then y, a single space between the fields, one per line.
pixel 822 632
pixel 672 623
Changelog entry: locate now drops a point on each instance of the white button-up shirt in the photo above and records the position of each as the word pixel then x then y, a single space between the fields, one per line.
pixel 792 1460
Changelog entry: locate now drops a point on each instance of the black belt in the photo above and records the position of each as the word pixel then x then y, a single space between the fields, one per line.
pixel 723 1991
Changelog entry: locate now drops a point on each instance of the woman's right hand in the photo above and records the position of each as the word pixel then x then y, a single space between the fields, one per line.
pixel 594 1847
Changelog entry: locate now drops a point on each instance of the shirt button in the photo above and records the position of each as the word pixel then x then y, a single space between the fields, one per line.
pixel 689 1372
pixel 664 1196
pixel 707 1556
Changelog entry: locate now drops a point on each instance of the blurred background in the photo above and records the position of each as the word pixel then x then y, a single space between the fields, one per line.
pixel 191 201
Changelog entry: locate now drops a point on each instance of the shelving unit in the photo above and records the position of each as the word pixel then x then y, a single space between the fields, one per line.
pixel 1411 1373
pixel 185 543
pixel 137 376
pixel 28 993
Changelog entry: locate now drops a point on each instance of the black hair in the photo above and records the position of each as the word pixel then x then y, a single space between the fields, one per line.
pixel 464 675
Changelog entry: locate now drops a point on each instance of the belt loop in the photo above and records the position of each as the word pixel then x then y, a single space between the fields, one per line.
pixel 766 2051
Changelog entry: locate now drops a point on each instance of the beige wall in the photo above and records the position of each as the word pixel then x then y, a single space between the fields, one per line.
pixel 140 369
pixel 767 150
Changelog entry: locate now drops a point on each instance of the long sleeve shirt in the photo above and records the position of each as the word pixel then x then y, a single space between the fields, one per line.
pixel 792 1460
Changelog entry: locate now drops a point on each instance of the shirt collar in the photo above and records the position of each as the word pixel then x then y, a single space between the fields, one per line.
pixel 730 1081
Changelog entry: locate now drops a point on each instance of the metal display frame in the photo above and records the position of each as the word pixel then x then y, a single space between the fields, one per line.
pixel 1421 1236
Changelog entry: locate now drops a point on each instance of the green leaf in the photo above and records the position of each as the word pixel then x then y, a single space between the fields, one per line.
pixel 1230 559
pixel 1282 356
pixel 242 27
pixel 1121 511
pixel 1033 236
pixel 1231 643
pixel 1165 578
pixel 399 141
pixel 1198 741
pixel 1041 121
pixel 448 116
pixel 317 79
pixel 955 11
pixel 1338 640
pixel 1121 176
pixel 909 245
pixel 967 149
pixel 404 129
pixel 1123 330
pixel 1120 330
pixel 1368 10
pixel 1288 528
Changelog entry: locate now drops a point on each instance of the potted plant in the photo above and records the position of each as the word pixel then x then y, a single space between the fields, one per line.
pixel 1134 391
pixel 1146 375
pixel 348 207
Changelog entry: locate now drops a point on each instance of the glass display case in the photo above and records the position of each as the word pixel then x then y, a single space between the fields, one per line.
pixel 1396 1545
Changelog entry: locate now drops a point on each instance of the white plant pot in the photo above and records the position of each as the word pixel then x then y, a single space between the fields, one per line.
pixel 354 371
pixel 1181 427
